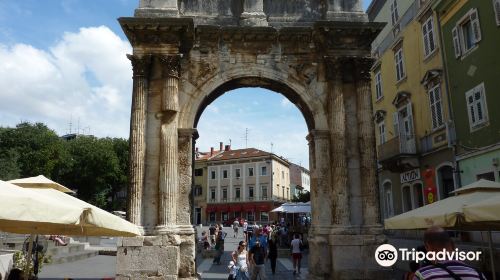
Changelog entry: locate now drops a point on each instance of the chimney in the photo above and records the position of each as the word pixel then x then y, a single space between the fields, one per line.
pixel 211 151
pixel 221 145
pixel 228 148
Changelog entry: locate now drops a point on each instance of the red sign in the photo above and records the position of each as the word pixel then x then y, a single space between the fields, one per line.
pixel 430 191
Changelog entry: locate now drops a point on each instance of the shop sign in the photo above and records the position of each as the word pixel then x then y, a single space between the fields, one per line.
pixel 409 176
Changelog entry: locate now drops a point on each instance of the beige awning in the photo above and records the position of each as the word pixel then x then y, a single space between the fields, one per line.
pixel 48 211
pixel 40 181
pixel 450 212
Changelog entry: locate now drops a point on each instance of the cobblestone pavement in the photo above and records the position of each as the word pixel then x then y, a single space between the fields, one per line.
pixel 208 270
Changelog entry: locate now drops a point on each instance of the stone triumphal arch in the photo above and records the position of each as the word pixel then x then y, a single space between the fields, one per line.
pixel 186 53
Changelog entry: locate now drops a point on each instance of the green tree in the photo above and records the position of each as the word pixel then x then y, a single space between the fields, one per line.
pixel 303 196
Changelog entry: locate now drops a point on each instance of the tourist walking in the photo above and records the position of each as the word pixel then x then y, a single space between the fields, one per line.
pixel 219 247
pixel 245 230
pixel 257 256
pixel 236 226
pixel 211 231
pixel 241 262
pixel 273 252
pixel 296 247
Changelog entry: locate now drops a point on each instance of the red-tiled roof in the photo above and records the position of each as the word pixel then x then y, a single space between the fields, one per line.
pixel 239 154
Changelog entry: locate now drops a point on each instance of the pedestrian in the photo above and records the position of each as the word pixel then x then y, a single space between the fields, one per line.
pixel 273 251
pixel 236 225
pixel 249 232
pixel 257 256
pixel 212 230
pixel 232 270
pixel 219 247
pixel 241 261
pixel 296 247
pixel 245 230
pixel 436 239
pixel 258 237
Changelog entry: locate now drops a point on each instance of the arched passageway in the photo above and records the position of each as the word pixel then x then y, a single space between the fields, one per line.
pixel 182 63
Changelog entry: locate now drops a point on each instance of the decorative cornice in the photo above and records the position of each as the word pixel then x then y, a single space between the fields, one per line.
pixel 141 65
pixel 363 68
pixel 331 36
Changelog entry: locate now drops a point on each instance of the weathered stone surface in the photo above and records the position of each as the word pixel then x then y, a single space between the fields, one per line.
pixel 133 241
pixel 151 261
pixel 201 49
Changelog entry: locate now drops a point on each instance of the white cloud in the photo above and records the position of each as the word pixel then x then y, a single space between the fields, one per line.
pixel 286 103
pixel 84 76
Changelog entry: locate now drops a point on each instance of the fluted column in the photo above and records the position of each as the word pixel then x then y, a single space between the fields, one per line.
pixel 366 128
pixel 141 67
pixel 253 13
pixel 168 181
pixel 337 122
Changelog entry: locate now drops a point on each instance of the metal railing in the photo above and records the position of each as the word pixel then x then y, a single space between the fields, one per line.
pixel 397 146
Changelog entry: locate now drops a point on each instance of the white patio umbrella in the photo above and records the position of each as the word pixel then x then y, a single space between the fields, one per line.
pixel 472 208
pixel 40 181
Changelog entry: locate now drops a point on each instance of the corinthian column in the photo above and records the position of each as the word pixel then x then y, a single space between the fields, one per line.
pixel 168 181
pixel 337 122
pixel 366 130
pixel 141 67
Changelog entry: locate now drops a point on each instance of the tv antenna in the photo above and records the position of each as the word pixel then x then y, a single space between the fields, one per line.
pixel 246 138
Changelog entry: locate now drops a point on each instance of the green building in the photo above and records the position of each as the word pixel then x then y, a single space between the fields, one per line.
pixel 470 34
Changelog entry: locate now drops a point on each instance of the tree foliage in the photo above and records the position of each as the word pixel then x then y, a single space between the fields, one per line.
pixel 303 196
pixel 95 167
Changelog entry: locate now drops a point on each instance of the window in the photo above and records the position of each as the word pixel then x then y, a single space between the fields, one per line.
pixel 381 132
pixel 476 107
pixel 407 203
pixel 250 216
pixel 288 193
pixel 212 175
pixel 388 204
pixel 466 34
pixel 428 34
pixel 263 171
pixel 198 191
pixel 264 216
pixel 212 217
pixel 212 194
pixel 224 174
pixel 198 172
pixel 263 191
pixel 446 182
pixel 394 12
pixel 237 194
pixel 225 217
pixel 250 193
pixel 378 85
pixel 418 195
pixel 436 107
pixel 238 172
pixel 224 194
pixel 400 69
pixel 250 172
pixel 496 9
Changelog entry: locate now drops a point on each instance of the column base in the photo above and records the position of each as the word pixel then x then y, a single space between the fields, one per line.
pixel 167 256
pixel 253 19
pixel 353 254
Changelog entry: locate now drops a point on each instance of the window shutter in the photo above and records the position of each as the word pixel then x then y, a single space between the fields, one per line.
pixel 430 32
pixel 456 42
pixel 470 108
pixel 476 27
pixel 496 8
pixel 395 121
pixel 410 117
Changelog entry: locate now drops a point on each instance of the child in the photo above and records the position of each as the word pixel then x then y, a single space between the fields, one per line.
pixel 232 270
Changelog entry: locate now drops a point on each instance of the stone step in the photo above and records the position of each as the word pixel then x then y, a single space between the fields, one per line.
pixel 73 256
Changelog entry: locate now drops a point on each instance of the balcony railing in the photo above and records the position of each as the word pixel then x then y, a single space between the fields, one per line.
pixel 396 146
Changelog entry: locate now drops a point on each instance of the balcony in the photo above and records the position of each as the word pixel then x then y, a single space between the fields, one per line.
pixel 399 154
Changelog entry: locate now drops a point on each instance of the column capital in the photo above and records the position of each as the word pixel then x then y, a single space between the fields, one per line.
pixel 363 67
pixel 188 133
pixel 317 134
pixel 141 64
pixel 171 64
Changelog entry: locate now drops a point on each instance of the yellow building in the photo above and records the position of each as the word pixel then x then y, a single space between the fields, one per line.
pixel 411 107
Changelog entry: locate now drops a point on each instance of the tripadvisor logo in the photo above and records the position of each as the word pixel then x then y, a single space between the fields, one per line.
pixel 386 255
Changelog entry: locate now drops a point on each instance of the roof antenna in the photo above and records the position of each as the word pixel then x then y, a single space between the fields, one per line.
pixel 272 145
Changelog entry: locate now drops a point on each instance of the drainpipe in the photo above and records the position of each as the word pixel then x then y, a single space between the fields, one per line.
pixel 458 179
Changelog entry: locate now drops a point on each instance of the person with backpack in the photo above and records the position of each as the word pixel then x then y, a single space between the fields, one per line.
pixel 296 248
pixel 436 239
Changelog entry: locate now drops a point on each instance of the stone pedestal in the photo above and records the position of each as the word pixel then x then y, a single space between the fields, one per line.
pixel 168 256
pixel 253 13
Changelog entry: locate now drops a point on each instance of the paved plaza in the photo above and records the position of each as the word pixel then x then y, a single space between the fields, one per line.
pixel 104 267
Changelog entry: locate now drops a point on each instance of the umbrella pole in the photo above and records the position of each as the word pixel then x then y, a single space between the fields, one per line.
pixel 28 258
pixel 492 262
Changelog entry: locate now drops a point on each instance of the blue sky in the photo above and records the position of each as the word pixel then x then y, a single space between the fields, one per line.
pixel 64 61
